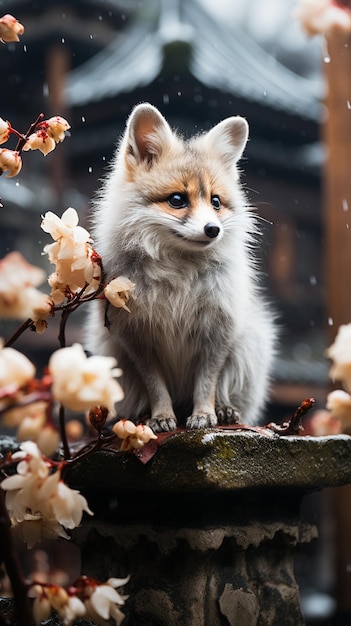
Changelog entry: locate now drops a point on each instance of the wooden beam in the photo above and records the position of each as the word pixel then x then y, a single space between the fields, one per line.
pixel 337 180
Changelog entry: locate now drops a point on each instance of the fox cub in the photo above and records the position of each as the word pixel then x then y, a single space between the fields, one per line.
pixel 198 342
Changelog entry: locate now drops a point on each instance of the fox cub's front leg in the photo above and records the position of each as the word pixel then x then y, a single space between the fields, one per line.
pixel 213 356
pixel 204 414
pixel 162 418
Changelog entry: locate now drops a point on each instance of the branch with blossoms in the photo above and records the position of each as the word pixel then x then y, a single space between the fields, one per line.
pixel 89 598
pixel 78 278
pixel 42 135
pixel 72 380
pixel 35 499
pixel 38 501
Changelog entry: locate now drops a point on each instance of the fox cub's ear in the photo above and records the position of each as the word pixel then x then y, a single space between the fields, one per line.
pixel 228 139
pixel 146 136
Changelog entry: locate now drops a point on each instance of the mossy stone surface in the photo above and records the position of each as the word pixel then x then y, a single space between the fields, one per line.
pixel 217 459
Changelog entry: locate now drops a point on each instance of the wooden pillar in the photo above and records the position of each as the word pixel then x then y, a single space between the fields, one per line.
pixel 57 66
pixel 337 197
pixel 337 180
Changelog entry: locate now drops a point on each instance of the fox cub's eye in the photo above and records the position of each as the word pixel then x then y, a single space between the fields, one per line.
pixel 178 200
pixel 216 202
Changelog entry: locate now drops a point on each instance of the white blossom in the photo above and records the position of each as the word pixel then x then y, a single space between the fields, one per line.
pixel 10 161
pixel 19 298
pixel 324 423
pixel 77 265
pixel 80 383
pixel 4 130
pixel 339 403
pixel 104 601
pixel 68 607
pixel 64 504
pixel 38 502
pixel 14 415
pixel 56 127
pixel 33 528
pixel 15 369
pixel 322 17
pixel 40 140
pixel 65 226
pixel 48 133
pixel 10 28
pixel 118 292
pixel 44 435
pixel 133 436
pixel 340 353
pixel 31 423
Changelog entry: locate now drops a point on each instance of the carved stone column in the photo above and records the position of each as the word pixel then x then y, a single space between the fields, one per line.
pixel 208 528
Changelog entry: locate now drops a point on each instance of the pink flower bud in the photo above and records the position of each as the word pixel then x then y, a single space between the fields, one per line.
pixel 144 433
pixel 10 28
pixel 118 292
pixel 322 17
pixel 124 428
pixel 56 127
pixel 10 161
pixel 40 140
pixel 4 130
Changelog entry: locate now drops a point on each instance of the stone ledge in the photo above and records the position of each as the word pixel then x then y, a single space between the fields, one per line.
pixel 215 459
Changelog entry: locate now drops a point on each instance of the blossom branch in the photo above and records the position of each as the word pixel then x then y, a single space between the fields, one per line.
pixel 63 432
pixel 20 330
pixel 10 559
pixel 41 135
pixel 23 138
pixel 26 400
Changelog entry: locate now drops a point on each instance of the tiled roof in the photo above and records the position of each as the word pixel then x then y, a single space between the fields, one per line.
pixel 220 57
pixel 132 60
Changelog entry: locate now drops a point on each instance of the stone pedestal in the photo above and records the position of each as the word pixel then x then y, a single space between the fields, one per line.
pixel 208 528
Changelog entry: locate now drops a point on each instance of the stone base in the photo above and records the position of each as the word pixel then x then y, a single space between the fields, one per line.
pixel 210 576
pixel 209 527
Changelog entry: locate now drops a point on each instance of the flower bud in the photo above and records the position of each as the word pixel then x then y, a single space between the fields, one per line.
pixel 15 368
pixel 56 127
pixel 144 433
pixel 124 428
pixel 118 292
pixel 40 140
pixel 4 130
pixel 10 161
pixel 98 417
pixel 10 28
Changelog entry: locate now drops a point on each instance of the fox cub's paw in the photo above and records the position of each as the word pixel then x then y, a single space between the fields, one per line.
pixel 161 424
pixel 227 414
pixel 201 420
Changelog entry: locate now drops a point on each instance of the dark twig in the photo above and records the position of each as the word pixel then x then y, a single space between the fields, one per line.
pixel 20 330
pixel 294 425
pixel 27 400
pixel 10 559
pixel 88 449
pixel 63 433
pixel 63 322
pixel 31 129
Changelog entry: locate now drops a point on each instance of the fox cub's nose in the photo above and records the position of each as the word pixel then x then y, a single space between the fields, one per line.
pixel 211 230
